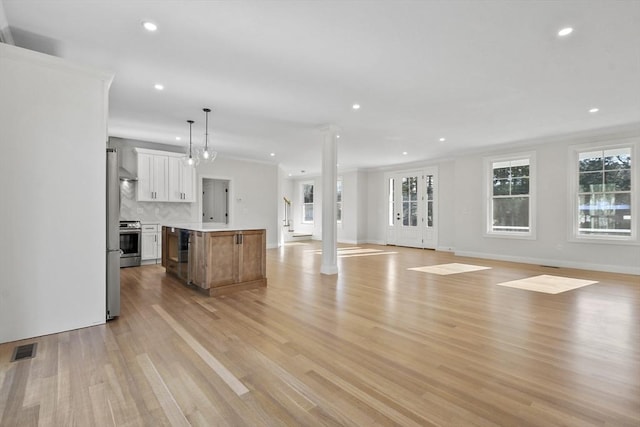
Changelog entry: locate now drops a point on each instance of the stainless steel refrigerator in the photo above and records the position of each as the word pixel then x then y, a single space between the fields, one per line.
pixel 113 235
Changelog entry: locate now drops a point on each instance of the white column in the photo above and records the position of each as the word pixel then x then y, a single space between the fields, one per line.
pixel 329 209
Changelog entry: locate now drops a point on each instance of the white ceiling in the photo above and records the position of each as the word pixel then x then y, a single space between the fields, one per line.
pixel 477 73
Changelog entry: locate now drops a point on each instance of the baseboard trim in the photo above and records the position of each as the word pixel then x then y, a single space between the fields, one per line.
pixel 553 262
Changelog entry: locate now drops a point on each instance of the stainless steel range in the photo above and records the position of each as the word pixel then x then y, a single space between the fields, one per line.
pixel 130 243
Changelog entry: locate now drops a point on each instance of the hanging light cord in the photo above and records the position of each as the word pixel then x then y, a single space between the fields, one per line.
pixel 190 124
pixel 206 132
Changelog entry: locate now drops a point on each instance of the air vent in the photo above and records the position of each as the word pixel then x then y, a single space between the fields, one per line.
pixel 26 351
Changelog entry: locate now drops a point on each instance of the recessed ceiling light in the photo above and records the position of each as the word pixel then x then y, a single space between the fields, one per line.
pixel 338 136
pixel 404 153
pixel 149 26
pixel 565 31
pixel 356 106
pixel 272 154
pixel 178 138
pixel 442 139
pixel 290 174
pixel 594 110
pixel 158 86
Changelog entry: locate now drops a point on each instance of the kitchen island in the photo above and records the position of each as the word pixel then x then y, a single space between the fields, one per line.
pixel 216 259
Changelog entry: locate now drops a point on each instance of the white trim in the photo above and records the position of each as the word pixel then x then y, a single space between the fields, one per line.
pixel 373 242
pixel 572 191
pixel 553 262
pixel 488 196
pixel 200 179
pixel 302 203
pixel 349 242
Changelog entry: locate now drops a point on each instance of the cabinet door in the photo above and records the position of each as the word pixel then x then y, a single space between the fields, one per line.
pixel 188 184
pixel 149 246
pixel 145 178
pixel 175 178
pixel 197 260
pixel 163 244
pixel 222 258
pixel 251 256
pixel 159 244
pixel 160 175
pixel 181 181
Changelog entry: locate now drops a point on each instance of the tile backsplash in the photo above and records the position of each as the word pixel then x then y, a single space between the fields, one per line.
pixel 131 209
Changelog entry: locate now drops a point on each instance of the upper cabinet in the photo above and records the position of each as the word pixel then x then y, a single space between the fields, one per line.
pixel 162 177
pixel 182 181
pixel 152 178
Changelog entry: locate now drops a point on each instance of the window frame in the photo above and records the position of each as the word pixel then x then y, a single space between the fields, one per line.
pixel 488 200
pixel 574 192
pixel 339 201
pixel 303 205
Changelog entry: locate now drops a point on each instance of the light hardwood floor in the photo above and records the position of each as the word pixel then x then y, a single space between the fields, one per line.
pixel 376 345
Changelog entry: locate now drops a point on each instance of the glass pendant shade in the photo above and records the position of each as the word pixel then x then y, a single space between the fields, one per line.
pixel 208 155
pixel 191 157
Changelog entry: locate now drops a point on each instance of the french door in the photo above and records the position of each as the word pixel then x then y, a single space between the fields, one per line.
pixel 411 212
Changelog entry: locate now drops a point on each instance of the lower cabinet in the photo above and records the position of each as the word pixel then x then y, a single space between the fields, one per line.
pixel 219 262
pixel 151 242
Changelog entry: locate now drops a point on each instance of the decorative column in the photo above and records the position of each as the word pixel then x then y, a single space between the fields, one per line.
pixel 329 208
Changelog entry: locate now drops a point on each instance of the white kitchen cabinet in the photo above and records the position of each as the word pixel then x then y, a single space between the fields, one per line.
pixel 152 177
pixel 163 177
pixel 151 242
pixel 182 181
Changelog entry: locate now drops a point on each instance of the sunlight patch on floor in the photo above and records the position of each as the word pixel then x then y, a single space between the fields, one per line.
pixel 355 252
pixel 446 269
pixel 548 284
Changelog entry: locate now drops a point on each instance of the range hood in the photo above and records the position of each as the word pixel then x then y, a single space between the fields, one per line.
pixel 125 175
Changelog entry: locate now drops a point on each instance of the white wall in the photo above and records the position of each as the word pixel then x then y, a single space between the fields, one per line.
pixel 552 245
pixel 462 218
pixel 53 216
pixel 447 206
pixel 253 194
pixel 355 210
pixel 376 208
pixel 353 228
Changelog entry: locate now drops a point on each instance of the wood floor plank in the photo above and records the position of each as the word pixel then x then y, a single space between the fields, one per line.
pixel 209 359
pixel 165 398
pixel 376 345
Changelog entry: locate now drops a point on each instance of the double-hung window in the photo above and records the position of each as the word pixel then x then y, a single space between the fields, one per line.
pixel 307 203
pixel 604 201
pixel 510 205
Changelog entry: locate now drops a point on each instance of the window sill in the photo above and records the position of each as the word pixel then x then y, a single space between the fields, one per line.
pixel 605 241
pixel 516 236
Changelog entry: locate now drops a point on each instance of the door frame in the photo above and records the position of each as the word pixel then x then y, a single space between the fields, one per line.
pixel 422 174
pixel 230 197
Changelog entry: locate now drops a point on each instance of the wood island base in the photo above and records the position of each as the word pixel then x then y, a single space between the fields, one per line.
pixel 216 262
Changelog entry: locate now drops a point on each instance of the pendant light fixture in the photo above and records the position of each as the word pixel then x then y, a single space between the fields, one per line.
pixel 208 155
pixel 190 159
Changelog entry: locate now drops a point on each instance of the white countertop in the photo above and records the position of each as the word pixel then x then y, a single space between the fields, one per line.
pixel 200 226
